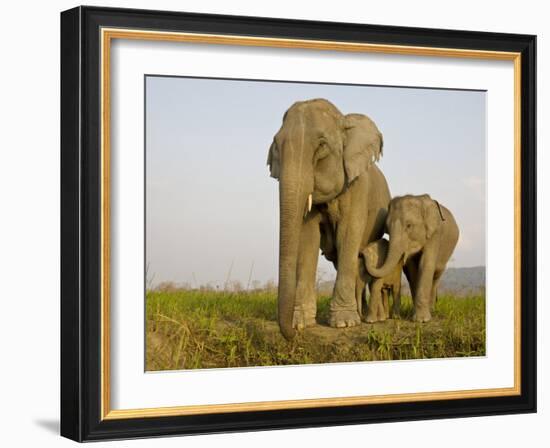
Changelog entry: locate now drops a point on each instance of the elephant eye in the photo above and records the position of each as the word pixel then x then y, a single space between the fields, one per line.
pixel 322 150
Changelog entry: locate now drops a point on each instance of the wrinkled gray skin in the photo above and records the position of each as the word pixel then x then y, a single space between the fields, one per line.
pixel 423 234
pixel 320 152
pixel 381 288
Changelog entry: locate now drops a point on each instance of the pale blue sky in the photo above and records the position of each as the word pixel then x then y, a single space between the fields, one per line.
pixel 212 206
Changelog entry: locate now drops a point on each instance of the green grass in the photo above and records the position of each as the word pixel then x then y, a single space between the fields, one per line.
pixel 205 329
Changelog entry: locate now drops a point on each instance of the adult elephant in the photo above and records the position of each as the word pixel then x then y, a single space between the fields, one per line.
pixel 328 183
pixel 424 234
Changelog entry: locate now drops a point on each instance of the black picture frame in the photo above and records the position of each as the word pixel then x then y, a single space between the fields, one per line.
pixel 81 224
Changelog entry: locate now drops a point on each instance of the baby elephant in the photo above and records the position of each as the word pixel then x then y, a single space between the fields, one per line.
pixel 381 287
pixel 424 234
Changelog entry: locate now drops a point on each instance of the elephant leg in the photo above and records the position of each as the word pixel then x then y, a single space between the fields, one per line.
pixel 359 288
pixel 396 293
pixel 305 307
pixel 343 307
pixel 349 232
pixel 375 307
pixel 385 304
pixel 423 296
pixel 436 281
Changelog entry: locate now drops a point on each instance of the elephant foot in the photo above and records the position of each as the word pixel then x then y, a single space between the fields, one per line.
pixel 373 317
pixel 422 316
pixel 344 318
pixel 303 319
pixel 376 313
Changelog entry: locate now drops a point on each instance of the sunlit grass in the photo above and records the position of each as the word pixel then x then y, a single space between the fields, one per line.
pixel 203 329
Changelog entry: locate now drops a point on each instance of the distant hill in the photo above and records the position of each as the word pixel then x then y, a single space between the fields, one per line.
pixel 463 281
pixel 456 281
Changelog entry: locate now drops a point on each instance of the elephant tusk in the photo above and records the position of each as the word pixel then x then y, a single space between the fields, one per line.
pixel 309 204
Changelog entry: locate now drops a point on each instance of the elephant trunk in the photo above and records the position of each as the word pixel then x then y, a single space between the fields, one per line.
pixel 291 214
pixel 395 253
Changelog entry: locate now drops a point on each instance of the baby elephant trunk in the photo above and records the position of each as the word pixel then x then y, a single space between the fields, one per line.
pixel 395 253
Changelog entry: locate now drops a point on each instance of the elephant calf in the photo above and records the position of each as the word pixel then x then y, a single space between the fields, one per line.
pixel 423 233
pixel 381 287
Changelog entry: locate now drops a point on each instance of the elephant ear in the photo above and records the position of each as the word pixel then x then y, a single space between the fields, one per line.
pixel 273 160
pixel 431 212
pixel 370 255
pixel 376 253
pixel 362 145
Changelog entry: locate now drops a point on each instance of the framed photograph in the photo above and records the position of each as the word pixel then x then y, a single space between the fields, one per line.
pixel 272 223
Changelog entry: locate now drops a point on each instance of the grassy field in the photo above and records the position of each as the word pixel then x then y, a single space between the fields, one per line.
pixel 204 329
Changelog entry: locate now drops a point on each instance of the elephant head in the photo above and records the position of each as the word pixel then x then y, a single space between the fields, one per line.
pixel 411 222
pixel 316 153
